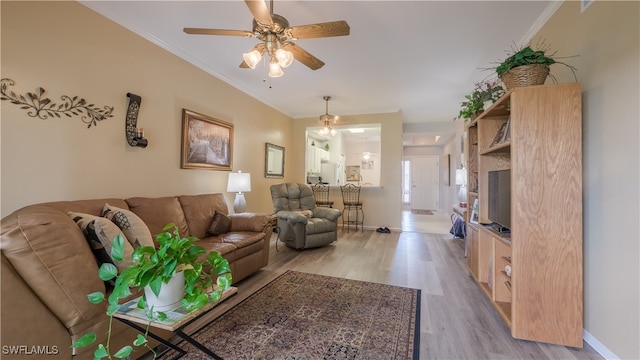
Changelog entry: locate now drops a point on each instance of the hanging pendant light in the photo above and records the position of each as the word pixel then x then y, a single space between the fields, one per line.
pixel 326 120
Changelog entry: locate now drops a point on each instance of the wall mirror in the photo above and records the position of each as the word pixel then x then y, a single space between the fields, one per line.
pixel 273 161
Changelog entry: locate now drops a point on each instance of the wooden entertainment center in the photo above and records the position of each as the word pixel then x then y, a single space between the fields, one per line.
pixel 541 299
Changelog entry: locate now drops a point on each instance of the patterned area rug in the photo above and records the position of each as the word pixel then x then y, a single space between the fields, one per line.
pixel 421 212
pixel 307 316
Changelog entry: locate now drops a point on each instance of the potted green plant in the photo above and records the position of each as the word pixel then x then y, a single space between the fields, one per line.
pixel 528 66
pixel 489 92
pixel 470 108
pixel 152 267
pixel 483 94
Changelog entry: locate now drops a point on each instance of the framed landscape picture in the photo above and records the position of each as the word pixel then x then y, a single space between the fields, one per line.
pixel 474 212
pixel 353 172
pixel 207 143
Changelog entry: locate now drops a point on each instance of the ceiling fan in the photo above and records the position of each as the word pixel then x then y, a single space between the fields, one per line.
pixel 277 36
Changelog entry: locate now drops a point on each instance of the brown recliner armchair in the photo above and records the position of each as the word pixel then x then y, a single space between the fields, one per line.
pixel 302 225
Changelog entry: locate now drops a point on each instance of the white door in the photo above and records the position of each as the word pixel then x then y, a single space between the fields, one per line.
pixel 424 182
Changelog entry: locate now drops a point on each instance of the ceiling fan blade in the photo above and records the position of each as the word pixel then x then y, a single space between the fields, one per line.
pixel 303 56
pixel 328 29
pixel 200 31
pixel 260 11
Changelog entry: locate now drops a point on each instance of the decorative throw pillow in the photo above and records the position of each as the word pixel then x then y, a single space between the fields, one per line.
pixel 100 234
pixel 131 225
pixel 220 224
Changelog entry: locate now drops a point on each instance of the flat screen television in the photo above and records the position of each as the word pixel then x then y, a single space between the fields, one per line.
pixel 500 199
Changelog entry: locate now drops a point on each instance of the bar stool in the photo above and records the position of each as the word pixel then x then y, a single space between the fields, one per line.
pixel 321 195
pixel 352 203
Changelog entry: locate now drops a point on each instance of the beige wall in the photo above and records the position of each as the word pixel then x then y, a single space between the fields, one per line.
pixel 607 37
pixel 388 195
pixel 68 49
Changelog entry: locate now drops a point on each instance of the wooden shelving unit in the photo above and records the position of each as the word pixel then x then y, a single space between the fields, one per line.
pixel 542 299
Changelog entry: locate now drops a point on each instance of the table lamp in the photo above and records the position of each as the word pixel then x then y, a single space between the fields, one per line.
pixel 461 180
pixel 238 183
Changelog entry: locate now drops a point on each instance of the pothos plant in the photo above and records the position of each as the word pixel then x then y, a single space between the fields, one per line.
pixel 482 92
pixel 152 267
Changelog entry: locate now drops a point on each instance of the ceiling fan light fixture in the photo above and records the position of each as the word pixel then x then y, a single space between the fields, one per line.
pixel 276 34
pixel 274 69
pixel 326 119
pixel 285 58
pixel 366 155
pixel 252 58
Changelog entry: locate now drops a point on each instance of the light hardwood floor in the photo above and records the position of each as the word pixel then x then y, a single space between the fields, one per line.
pixel 456 322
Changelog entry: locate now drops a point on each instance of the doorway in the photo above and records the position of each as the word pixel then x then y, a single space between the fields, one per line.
pixel 420 183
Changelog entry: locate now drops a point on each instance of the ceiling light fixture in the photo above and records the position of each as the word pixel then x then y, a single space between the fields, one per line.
pixel 366 155
pixel 279 58
pixel 326 120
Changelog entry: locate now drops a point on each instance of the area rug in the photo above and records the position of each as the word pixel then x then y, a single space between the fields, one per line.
pixel 421 212
pixel 307 316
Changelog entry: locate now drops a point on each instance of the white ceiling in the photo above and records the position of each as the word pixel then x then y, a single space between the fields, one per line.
pixel 418 57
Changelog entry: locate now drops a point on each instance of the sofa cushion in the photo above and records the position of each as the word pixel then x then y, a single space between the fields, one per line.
pixel 134 229
pixel 220 224
pixel 214 243
pixel 93 206
pixel 50 253
pixel 158 212
pixel 199 211
pixel 245 242
pixel 100 234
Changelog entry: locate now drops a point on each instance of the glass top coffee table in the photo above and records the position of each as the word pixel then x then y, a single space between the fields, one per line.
pixel 177 320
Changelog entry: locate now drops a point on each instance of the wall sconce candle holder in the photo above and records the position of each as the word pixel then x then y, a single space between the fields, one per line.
pixel 135 135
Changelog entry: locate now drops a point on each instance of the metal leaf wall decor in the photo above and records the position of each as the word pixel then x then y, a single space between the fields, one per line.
pixel 42 107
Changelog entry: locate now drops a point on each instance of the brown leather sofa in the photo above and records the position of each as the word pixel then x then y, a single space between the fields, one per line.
pixel 48 268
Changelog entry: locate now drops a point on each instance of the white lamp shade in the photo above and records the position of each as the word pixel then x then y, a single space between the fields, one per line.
pixel 461 177
pixel 274 69
pixel 252 58
pixel 285 58
pixel 239 182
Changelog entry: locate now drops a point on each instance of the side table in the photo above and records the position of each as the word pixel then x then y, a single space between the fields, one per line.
pixel 177 320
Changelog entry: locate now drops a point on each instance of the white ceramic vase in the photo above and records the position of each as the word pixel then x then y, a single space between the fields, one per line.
pixel 171 294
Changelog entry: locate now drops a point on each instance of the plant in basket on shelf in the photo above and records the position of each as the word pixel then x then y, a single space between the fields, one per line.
pixel 526 66
pixel 205 280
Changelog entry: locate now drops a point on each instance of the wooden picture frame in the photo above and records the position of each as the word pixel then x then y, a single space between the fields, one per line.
pixel 499 138
pixel 273 161
pixel 207 143
pixel 474 212
pixel 353 172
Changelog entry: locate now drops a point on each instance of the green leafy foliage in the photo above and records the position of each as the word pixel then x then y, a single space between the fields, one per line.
pixel 483 91
pixel 539 54
pixel 152 267
pixel 525 56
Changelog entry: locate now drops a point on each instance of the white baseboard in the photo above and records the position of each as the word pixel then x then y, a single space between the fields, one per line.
pixel 598 346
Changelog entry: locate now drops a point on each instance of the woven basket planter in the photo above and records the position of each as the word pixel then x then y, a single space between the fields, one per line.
pixel 526 75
